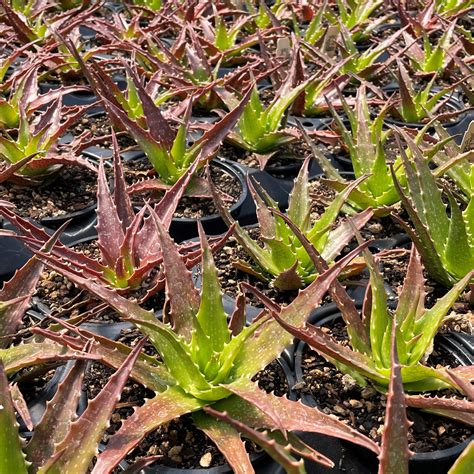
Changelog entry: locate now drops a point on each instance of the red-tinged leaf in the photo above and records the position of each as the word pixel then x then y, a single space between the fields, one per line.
pixel 16 293
pixel 18 357
pixel 288 279
pixel 343 234
pixel 281 454
pixel 463 383
pixel 121 199
pixel 332 350
pixel 164 407
pixel 355 328
pixel 43 100
pixel 431 403
pixel 253 405
pixel 237 320
pixel 60 412
pixel 228 442
pixel 76 451
pixel 395 455
pixel 412 296
pixel 20 406
pixel 198 187
pixel 63 159
pixel 8 171
pixel 12 459
pixel 406 94
pixel 181 294
pixel 137 467
pixel 110 233
pixel 213 137
pixel 266 222
pixel 147 370
pixel 269 342
pixel 458 410
pixel 158 127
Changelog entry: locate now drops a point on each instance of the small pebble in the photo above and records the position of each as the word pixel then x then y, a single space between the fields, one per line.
pixel 206 460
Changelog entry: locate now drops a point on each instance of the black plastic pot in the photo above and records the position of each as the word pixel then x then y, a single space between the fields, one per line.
pixel 15 254
pixel 353 458
pixel 243 210
pixel 114 7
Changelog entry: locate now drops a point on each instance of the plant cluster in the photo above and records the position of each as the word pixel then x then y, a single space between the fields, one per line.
pixel 148 103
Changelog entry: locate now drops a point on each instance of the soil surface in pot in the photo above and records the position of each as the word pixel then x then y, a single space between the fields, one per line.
pixel 73 189
pixel 364 408
pixel 100 126
pixel 181 444
pixel 188 207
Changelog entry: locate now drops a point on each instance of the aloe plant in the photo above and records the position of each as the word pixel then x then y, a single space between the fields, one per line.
pixel 445 241
pixel 368 359
pixel 206 363
pixel 167 150
pixel 261 130
pixel 283 260
pixel 40 139
pixel 431 58
pixel 356 15
pixel 366 141
pixel 414 106
pixel 366 63
pixel 220 35
pixel 23 94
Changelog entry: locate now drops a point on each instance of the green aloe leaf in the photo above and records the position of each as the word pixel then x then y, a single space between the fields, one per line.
pixel 211 314
pixel 12 458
